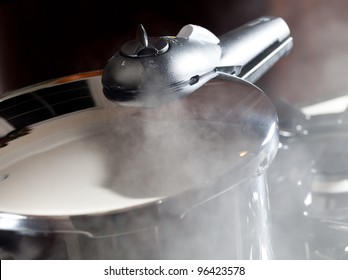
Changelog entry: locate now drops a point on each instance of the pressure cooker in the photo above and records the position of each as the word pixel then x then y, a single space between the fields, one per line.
pixel 161 155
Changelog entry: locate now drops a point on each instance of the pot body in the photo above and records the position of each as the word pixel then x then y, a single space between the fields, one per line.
pixel 232 225
pixel 84 178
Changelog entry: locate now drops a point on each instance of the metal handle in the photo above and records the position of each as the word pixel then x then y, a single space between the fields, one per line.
pixel 250 50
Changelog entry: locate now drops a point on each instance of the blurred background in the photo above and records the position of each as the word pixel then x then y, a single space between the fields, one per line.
pixel 42 40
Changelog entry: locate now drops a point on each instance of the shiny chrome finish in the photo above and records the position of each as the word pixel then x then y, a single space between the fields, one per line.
pixel 152 71
pixel 88 178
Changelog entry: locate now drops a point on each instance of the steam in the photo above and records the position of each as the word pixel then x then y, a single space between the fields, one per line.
pixel 201 159
pixel 167 150
pixel 161 158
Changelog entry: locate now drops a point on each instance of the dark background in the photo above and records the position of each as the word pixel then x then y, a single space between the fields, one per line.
pixel 41 40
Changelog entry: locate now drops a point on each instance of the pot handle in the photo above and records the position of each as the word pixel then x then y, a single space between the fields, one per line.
pixel 252 49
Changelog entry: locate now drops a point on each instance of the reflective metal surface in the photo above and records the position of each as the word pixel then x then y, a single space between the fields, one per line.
pixel 152 71
pixel 99 180
pixel 308 186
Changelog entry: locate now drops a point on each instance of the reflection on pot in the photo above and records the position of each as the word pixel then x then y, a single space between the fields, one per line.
pixel 185 180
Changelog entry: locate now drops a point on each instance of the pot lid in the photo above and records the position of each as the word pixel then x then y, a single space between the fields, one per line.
pixel 66 150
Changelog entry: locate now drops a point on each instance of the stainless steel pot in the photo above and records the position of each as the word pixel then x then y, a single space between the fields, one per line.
pixel 85 178
pixel 309 183
pixel 177 172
